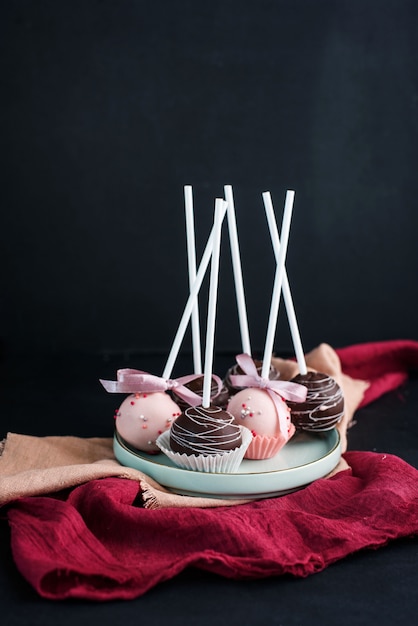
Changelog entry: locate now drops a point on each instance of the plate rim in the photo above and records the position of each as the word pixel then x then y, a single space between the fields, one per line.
pixel 180 480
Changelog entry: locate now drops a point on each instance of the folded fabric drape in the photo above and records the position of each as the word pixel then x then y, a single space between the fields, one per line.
pixel 98 545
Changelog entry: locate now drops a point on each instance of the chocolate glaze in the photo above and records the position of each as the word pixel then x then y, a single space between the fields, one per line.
pixel 236 369
pixel 196 385
pixel 206 431
pixel 324 404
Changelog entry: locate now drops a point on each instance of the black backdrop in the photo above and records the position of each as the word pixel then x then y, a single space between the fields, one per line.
pixel 109 107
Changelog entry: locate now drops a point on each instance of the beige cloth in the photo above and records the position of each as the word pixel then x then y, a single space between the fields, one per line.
pixel 43 465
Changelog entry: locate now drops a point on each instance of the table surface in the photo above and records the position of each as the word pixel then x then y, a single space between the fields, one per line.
pixel 62 396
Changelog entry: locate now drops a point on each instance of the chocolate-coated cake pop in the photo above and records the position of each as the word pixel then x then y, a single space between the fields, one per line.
pixel 324 404
pixel 218 398
pixel 206 431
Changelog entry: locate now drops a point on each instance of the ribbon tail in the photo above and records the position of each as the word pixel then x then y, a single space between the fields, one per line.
pixel 289 391
pixel 218 382
pixel 281 416
pixel 187 395
pixel 247 364
pixel 112 386
pixel 243 380
pixel 131 381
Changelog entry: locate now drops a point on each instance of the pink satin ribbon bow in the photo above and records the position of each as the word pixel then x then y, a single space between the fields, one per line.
pixel 137 381
pixel 275 388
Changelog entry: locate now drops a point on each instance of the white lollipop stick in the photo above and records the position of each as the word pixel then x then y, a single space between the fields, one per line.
pixel 191 258
pixel 277 287
pixel 190 302
pixel 220 205
pixel 287 296
pixel 236 265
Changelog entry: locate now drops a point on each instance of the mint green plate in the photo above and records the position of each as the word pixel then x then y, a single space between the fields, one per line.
pixel 304 459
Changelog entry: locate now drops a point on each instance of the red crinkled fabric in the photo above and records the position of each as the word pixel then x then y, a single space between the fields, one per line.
pixel 99 545
pixel 385 364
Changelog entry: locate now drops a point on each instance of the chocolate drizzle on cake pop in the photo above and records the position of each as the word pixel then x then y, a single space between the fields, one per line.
pixel 324 404
pixel 207 431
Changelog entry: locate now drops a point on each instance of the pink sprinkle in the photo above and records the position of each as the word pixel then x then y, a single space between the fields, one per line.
pixel 132 402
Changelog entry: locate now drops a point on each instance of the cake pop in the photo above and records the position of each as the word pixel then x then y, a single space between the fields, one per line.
pixel 218 394
pixel 201 430
pixel 324 404
pixel 261 407
pixel 142 417
pixel 148 410
pixel 237 370
pixel 266 417
pixel 205 438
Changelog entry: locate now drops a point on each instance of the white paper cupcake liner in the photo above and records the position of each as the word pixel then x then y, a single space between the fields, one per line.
pixel 264 446
pixel 226 463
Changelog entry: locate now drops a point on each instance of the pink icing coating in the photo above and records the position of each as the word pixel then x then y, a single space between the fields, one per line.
pixel 255 409
pixel 142 417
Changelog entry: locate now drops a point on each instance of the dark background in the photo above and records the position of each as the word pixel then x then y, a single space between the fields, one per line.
pixel 108 108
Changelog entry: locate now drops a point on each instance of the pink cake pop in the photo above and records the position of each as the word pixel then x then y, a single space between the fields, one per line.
pixel 149 410
pixel 142 417
pixel 268 420
pixel 261 407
